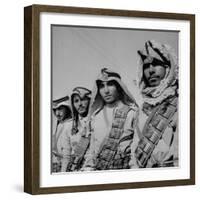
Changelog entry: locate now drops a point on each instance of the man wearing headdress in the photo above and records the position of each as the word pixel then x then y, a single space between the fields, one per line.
pixel 77 140
pixel 157 124
pixel 62 112
pixel 113 115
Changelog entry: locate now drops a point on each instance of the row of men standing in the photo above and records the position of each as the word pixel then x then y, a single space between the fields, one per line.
pixel 106 130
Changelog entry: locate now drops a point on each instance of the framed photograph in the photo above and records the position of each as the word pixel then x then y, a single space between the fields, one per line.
pixel 109 99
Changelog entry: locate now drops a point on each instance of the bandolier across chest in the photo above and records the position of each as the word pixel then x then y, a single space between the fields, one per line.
pixel 109 157
pixel 154 128
pixel 77 159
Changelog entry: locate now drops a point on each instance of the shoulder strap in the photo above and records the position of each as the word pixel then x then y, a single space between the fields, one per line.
pixel 109 146
pixel 154 128
pixel 76 160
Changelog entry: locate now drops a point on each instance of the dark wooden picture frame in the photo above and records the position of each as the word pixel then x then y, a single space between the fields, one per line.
pixel 32 98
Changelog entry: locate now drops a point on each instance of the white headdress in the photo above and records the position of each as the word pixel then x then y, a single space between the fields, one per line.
pixel 108 75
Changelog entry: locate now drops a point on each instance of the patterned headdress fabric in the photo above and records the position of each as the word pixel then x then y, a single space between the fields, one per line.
pixel 153 51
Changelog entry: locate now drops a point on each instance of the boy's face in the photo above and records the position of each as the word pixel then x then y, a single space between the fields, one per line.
pixel 108 91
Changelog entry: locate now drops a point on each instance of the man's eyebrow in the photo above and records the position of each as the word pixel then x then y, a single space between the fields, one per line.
pixel 100 83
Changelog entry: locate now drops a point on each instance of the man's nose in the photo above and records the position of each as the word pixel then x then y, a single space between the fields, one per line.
pixel 57 112
pixel 106 89
pixel 151 69
pixel 80 103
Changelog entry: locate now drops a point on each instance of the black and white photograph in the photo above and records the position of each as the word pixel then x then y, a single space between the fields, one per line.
pixel 114 99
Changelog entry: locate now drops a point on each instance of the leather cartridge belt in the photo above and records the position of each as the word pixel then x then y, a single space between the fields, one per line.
pixel 154 128
pixel 109 157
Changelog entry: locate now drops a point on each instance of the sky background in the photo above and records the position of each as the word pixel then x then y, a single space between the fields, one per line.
pixel 78 54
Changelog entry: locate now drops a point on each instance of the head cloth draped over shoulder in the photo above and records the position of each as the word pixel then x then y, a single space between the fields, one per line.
pixel 106 75
pixel 163 55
